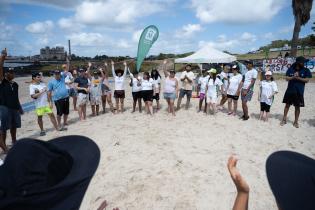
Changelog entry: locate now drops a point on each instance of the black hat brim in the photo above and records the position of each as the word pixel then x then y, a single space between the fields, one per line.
pixel 291 177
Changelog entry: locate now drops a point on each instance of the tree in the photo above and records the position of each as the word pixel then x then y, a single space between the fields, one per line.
pixel 301 12
pixel 313 27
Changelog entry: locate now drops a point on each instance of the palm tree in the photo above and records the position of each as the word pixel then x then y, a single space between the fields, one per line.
pixel 301 11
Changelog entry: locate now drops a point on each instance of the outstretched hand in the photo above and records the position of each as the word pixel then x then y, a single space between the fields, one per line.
pixel 89 64
pixel 240 183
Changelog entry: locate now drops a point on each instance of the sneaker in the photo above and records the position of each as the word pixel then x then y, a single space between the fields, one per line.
pixel 42 133
pixel 245 118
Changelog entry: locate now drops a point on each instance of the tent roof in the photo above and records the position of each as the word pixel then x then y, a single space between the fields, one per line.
pixel 207 54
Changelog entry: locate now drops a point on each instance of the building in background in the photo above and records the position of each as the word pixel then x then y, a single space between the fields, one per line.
pixel 55 53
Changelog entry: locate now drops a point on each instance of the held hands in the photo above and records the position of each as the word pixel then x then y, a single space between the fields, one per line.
pixel 240 184
pixel 244 93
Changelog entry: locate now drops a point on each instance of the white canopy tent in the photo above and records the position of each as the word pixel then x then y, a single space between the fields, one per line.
pixel 207 54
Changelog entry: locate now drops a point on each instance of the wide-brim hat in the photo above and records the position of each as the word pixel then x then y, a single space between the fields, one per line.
pixel 291 177
pixel 48 175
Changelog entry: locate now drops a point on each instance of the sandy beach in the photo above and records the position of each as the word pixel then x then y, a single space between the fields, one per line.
pixel 165 163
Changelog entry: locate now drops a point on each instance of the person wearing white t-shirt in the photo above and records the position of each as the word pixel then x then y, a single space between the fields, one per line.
pixel 268 88
pixel 147 92
pixel 187 79
pixel 119 92
pixel 38 91
pixel 155 75
pixel 214 84
pixel 233 90
pixel 224 75
pixel 106 91
pixel 202 86
pixel 248 87
pixel 135 83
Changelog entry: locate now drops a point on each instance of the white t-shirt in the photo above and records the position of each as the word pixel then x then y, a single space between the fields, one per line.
pixel 136 85
pixel 203 81
pixel 42 100
pixel 212 87
pixel 186 85
pixel 224 78
pixel 267 90
pixel 234 83
pixel 147 84
pixel 69 78
pixel 119 83
pixel 251 74
pixel 156 84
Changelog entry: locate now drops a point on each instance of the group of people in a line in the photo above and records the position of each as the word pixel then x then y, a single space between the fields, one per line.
pixel 92 85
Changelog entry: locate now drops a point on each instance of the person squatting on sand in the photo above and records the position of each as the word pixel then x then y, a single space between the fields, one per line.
pixel 147 92
pixel 38 92
pixel 119 93
pixel 82 84
pixel 170 89
pixel 136 85
pixel 268 88
pixel 248 88
pixel 187 79
pixel 202 86
pixel 214 84
pixel 297 75
pixel 290 176
pixel 234 89
pixel 10 107
pixel 59 94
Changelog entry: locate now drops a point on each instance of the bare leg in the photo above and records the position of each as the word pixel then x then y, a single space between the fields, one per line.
pixel 168 105
pixel 230 105
pixel 208 108
pixel 235 106
pixel 179 101
pixel 245 109
pixel 103 102
pixel 53 120
pixel 150 107
pixel 117 104
pixel 109 101
pixel 40 122
pixel 140 104
pixel 97 109
pixel 261 115
pixel 223 100
pixel 74 103
pixel 65 119
pixel 214 105
pixel 80 111
pixel 266 116
pixel 297 115
pixel 134 105
pixel 13 135
pixel 285 114
pixel 59 120
pixel 122 104
pixel 171 104
pixel 93 110
pixel 158 104
pixel 200 105
pixel 84 111
pixel 187 102
pixel 3 135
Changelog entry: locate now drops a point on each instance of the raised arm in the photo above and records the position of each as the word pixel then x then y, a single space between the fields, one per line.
pixel 166 73
pixel 102 73
pixel 89 70
pixel 125 71
pixel 105 70
pixel 2 59
pixel 241 200
pixel 113 69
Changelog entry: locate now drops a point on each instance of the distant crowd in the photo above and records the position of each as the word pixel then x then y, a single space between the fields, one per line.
pixel 91 85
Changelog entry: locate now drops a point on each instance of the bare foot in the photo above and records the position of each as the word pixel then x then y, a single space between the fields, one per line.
pixel 296 125
pixel 283 122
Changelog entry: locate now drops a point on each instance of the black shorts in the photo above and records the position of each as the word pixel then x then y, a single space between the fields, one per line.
pixel 147 95
pixel 119 94
pixel 14 118
pixel 264 107
pixel 293 98
pixel 62 106
pixel 156 96
pixel 183 92
pixel 136 95
pixel 233 97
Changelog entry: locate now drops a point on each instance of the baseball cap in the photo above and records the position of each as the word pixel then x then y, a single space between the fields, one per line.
pixel 212 70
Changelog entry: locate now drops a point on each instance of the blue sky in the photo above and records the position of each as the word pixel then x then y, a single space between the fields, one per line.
pixel 113 27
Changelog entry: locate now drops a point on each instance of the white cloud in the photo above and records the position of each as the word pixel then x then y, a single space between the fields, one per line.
pixel 68 4
pixel 69 24
pixel 188 31
pixel 87 39
pixel 248 37
pixel 268 35
pixel 232 11
pixel 40 27
pixel 116 11
pixel 136 35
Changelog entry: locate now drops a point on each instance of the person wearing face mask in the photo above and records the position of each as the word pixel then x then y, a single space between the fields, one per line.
pixel 297 75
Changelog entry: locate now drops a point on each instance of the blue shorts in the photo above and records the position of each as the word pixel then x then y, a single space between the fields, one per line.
pixel 248 96
pixel 170 96
pixel 73 92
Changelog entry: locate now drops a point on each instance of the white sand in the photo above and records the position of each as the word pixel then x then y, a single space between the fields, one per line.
pixel 164 163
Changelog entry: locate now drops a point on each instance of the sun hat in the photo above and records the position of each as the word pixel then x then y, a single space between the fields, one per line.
pixel 291 178
pixel 268 73
pixel 48 175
